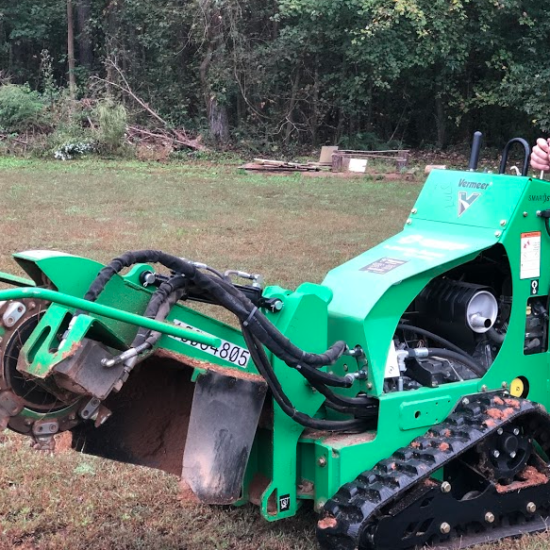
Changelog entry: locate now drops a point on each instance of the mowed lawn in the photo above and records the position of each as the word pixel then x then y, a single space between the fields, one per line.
pixel 290 228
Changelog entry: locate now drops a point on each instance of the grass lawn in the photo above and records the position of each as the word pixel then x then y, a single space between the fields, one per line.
pixel 290 228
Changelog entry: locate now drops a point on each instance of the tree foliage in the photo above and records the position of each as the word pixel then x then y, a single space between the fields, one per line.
pixel 282 73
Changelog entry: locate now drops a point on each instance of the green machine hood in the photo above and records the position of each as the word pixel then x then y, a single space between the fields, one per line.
pixel 456 216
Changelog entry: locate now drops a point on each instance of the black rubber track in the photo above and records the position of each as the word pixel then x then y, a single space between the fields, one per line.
pixel 347 518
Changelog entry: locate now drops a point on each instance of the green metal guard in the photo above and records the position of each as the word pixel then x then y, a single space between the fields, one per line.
pixel 106 311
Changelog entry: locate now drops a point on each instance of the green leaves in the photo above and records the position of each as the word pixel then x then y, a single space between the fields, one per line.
pixel 20 108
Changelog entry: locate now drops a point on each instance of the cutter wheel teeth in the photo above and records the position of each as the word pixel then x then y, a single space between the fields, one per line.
pixel 485 495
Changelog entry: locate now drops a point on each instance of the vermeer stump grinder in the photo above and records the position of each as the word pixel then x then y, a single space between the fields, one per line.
pixel 405 396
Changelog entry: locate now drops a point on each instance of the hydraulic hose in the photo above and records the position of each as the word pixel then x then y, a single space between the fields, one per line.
pixel 264 367
pixel 433 336
pixel 258 332
pixel 226 295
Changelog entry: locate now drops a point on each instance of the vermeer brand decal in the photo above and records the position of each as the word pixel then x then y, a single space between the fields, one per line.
pixel 472 184
pixel 284 503
pixel 465 201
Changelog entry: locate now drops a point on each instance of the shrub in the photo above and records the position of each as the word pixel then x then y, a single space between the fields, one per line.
pixel 20 108
pixel 113 119
pixel 69 151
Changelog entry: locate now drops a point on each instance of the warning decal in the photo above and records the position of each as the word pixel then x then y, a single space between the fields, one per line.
pixel 383 265
pixel 530 255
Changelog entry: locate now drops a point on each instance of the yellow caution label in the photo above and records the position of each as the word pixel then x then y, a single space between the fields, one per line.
pixel 517 387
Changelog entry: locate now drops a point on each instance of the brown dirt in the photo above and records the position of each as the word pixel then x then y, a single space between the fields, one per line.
pixel 500 415
pixel 185 493
pixel 327 523
pixel 447 433
pixel 490 423
pixel 63 442
pixel 257 488
pixel 498 401
pixel 195 363
pixel 514 403
pixel 306 488
pixel 443 446
pixel 415 445
pixel 150 418
pixel 339 441
pixel 527 478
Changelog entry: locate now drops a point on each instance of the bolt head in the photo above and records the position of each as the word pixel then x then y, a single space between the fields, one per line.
pixel 531 507
pixel 445 528
pixel 516 431
pixel 498 233
pixel 500 431
pixel 445 487
pixel 489 517
pixel 484 388
pixel 369 386
pixel 502 223
pixel 322 462
pixel 414 211
pixel 513 454
pixel 465 401
pixel 496 454
pixel 525 214
pixel 409 221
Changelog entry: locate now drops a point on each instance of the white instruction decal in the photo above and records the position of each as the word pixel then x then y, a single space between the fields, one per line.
pixel 227 350
pixel 530 255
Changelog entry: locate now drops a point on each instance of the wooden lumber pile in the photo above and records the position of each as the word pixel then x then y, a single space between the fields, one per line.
pixel 268 165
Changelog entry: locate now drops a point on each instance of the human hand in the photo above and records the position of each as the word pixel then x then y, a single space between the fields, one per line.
pixel 540 156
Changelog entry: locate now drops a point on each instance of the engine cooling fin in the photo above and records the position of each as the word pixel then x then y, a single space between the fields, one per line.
pixel 398 504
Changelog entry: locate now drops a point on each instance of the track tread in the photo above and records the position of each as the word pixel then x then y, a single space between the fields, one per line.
pixel 357 502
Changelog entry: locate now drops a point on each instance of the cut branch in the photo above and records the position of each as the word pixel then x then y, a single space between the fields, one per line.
pixel 177 136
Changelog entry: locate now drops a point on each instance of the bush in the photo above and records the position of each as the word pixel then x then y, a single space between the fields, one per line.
pixel 113 119
pixel 69 151
pixel 20 108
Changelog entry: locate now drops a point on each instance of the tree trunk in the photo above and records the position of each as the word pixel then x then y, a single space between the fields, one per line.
pixel 70 49
pixel 218 119
pixel 85 47
pixel 111 42
pixel 440 122
pixel 291 106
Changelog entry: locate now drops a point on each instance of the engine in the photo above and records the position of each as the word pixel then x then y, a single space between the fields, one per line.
pixel 456 326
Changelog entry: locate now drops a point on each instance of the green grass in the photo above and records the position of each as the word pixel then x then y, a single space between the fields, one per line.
pixel 290 228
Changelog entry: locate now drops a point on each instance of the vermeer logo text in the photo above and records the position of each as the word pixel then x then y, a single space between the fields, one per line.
pixel 472 184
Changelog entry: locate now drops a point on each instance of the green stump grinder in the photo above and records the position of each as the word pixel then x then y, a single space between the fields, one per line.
pixel 405 396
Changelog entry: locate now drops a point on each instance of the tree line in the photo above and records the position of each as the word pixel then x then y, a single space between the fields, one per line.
pixel 291 73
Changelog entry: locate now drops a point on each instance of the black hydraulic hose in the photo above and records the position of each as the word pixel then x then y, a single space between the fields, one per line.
pixel 264 368
pixel 160 296
pixel 255 325
pixel 342 403
pixel 326 378
pixel 226 295
pixel 432 336
pixel 453 356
